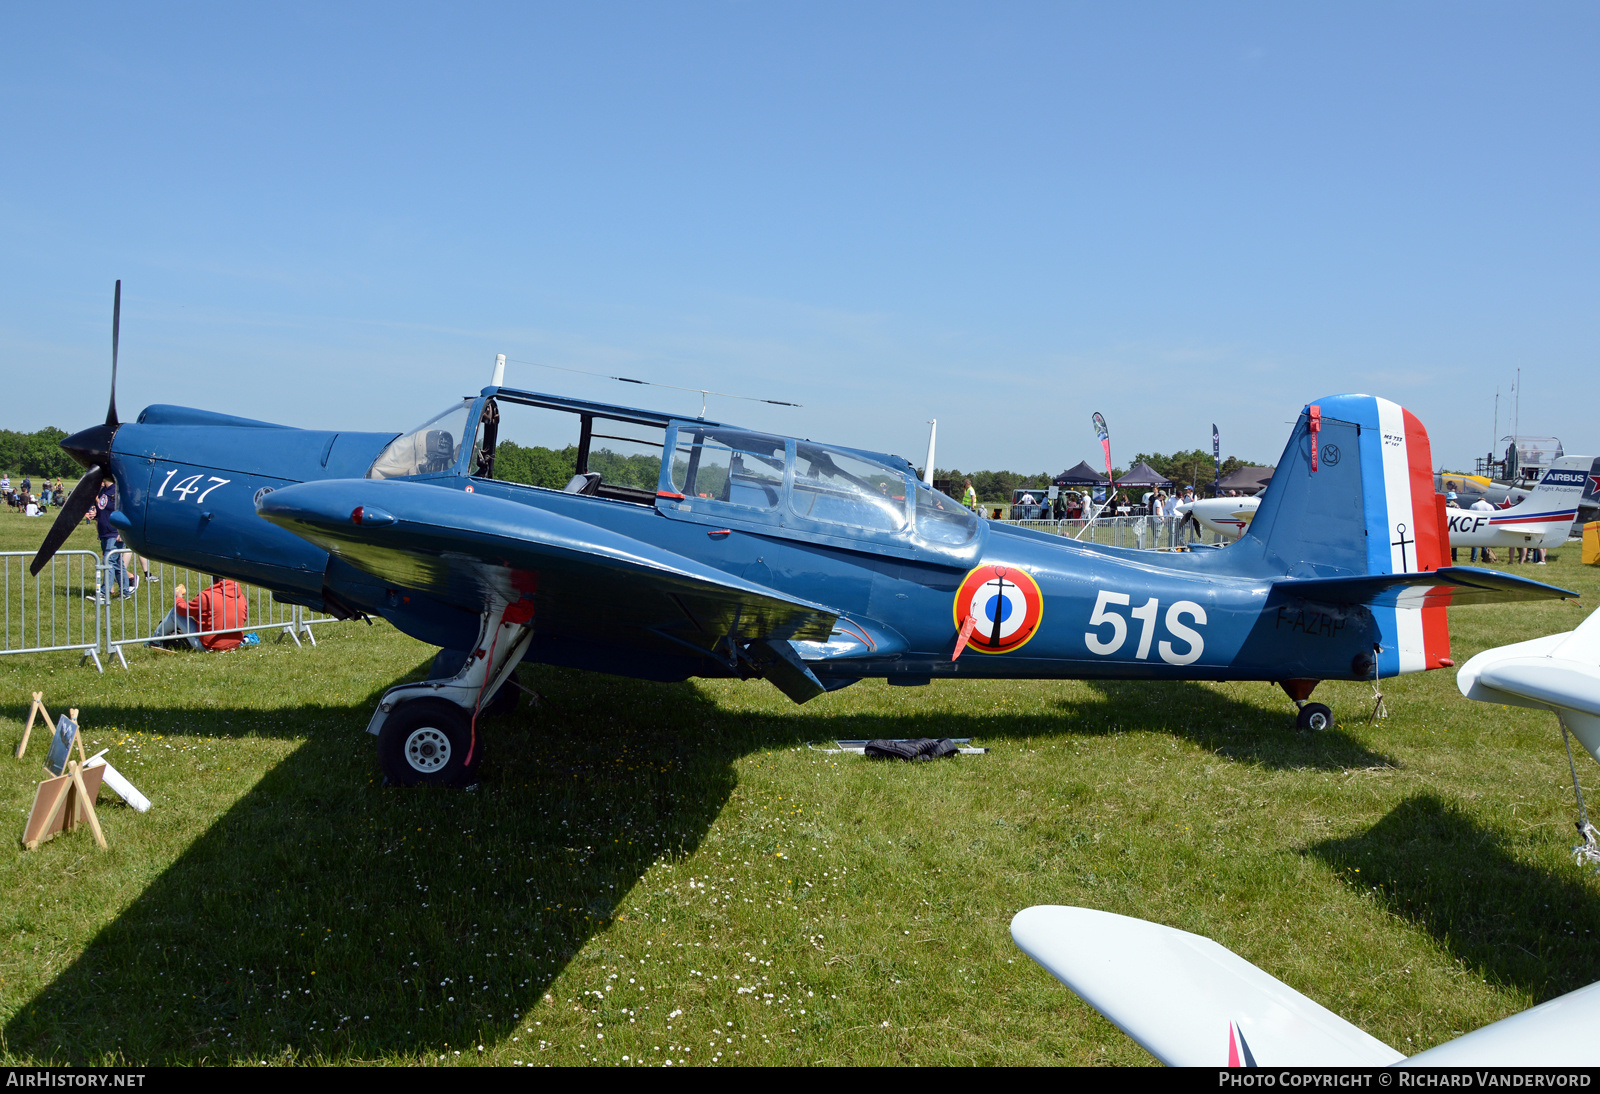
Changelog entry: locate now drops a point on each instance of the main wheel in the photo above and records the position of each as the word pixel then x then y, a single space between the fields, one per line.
pixel 1314 716
pixel 424 742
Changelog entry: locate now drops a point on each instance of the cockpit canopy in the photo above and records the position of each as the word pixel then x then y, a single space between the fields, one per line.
pixel 704 472
pixel 812 490
pixel 431 448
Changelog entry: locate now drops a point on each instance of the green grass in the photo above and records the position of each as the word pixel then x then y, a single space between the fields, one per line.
pixel 668 871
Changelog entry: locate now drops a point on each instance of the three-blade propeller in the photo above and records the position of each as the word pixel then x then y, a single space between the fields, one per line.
pixel 91 448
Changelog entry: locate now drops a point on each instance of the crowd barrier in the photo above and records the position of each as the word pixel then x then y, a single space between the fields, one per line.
pixel 74 604
pixel 48 612
pixel 1140 533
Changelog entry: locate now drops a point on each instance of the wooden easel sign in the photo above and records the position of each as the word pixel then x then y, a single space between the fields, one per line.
pixel 33 712
pixel 61 744
pixel 61 803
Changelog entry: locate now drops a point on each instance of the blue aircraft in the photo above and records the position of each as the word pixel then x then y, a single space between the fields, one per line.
pixel 685 547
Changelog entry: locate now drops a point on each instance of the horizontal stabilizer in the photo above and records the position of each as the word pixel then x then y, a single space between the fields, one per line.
pixel 1447 586
pixel 1187 1000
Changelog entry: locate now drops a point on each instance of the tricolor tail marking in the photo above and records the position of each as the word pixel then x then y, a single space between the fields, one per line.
pixel 1403 528
pixel 1239 1054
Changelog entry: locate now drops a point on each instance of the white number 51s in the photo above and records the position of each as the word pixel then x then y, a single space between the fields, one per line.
pixel 1146 614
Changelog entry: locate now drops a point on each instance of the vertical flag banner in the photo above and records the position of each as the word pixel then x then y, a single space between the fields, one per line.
pixel 1104 434
pixel 1216 455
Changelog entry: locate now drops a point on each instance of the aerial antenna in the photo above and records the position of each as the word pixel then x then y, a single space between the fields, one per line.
pixel 499 376
pixel 652 383
pixel 1516 422
pixel 1494 439
pixel 927 469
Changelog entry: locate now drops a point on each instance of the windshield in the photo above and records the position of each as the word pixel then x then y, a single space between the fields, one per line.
pixel 431 448
pixel 942 520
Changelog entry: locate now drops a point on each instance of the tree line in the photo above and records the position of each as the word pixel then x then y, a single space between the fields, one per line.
pixel 553 467
pixel 996 487
pixel 38 454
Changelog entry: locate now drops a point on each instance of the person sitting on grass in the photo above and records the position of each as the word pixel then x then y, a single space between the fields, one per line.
pixel 206 621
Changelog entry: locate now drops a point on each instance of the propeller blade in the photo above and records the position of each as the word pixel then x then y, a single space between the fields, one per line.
pixel 72 512
pixel 116 324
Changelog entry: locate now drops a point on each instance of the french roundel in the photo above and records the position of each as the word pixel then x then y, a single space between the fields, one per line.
pixel 1005 604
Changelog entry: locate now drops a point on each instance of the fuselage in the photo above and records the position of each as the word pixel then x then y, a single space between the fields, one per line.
pixel 189 480
pixel 1225 516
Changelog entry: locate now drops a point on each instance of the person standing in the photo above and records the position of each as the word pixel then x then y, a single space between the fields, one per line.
pixel 1482 505
pixel 105 503
pixel 970 497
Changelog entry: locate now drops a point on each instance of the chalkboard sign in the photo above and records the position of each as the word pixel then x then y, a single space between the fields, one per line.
pixel 61 745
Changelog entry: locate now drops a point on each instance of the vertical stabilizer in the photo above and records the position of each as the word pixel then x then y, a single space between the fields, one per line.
pixel 1353 495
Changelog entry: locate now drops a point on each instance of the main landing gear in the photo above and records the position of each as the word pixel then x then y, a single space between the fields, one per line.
pixel 1311 715
pixel 427 732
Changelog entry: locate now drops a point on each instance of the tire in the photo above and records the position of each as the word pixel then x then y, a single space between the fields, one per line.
pixel 424 742
pixel 1314 716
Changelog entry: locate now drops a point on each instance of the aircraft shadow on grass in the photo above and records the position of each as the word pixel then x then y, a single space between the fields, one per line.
pixel 1435 866
pixel 324 915
pixel 1229 727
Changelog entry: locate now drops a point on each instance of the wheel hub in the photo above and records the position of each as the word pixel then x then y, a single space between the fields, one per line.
pixel 427 750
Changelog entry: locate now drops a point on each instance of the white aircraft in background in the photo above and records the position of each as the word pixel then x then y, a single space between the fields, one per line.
pixel 1542 519
pixel 1225 516
pixel 1191 1002
pixel 1561 673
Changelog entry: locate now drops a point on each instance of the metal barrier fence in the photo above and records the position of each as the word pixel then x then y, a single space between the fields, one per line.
pixel 48 612
pixel 1140 533
pixel 74 604
pixel 144 611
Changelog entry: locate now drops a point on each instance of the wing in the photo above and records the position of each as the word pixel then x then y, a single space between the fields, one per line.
pixel 585 581
pixel 1557 672
pixel 1559 1033
pixel 1187 1000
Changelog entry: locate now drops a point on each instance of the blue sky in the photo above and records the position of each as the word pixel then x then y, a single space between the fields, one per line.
pixel 1005 216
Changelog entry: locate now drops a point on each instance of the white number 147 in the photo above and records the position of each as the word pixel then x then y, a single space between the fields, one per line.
pixel 190 485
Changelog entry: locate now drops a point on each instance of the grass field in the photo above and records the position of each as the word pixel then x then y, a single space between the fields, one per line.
pixel 668 872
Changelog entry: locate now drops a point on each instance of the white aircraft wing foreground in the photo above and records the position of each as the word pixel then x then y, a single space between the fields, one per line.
pixel 1559 672
pixel 1191 1002
pixel 1187 1000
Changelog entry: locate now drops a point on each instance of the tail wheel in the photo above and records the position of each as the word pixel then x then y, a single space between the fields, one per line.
pixel 1314 716
pixel 424 742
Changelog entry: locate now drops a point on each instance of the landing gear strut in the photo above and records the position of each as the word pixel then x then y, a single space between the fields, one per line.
pixel 1310 715
pixel 428 733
